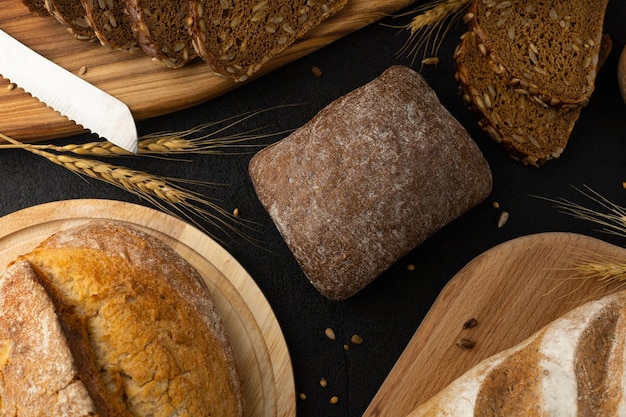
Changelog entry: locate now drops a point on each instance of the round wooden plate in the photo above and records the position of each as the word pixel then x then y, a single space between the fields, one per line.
pixel 256 336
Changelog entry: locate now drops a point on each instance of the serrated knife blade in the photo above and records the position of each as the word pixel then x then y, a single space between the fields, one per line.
pixel 70 95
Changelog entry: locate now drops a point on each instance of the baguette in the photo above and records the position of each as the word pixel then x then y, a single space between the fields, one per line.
pixel 574 366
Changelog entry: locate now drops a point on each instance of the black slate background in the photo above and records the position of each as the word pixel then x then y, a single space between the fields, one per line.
pixel 387 312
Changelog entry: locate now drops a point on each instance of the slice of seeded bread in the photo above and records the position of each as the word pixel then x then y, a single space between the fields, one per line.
pixel 162 30
pixel 71 14
pixel 530 131
pixel 36 6
pixel 237 37
pixel 110 22
pixel 550 47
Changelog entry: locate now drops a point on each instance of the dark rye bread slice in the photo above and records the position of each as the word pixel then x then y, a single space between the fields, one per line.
pixel 550 47
pixel 162 30
pixel 71 14
pixel 111 24
pixel 237 37
pixel 529 131
pixel 36 6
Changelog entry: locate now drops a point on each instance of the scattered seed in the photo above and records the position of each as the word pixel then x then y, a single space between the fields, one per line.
pixel 410 267
pixel 504 217
pixel 433 60
pixel 323 382
pixel 83 70
pixel 346 347
pixel 11 86
pixel 495 204
pixel 302 396
pixel 356 339
pixel 465 343
pixel 316 71
pixel 236 212
pixel 330 333
pixel 470 323
pixel 334 399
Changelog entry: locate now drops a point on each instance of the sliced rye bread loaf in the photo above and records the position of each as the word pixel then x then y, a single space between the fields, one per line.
pixel 550 48
pixel 237 38
pixel 110 22
pixel 162 30
pixel 36 6
pixel 531 132
pixel 71 14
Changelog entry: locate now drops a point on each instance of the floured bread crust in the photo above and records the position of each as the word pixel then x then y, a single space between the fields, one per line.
pixel 141 315
pixel 574 366
pixel 37 372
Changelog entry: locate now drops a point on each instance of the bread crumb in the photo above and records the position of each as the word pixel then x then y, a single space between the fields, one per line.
pixel 334 399
pixel 346 347
pixel 323 382
pixel 356 339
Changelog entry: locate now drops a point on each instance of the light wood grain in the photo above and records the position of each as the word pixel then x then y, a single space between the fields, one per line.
pixel 512 291
pixel 257 340
pixel 148 89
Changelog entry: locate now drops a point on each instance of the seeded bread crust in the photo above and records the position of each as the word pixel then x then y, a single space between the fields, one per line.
pixel 162 30
pixel 237 38
pixel 370 177
pixel 37 6
pixel 574 366
pixel 550 49
pixel 143 314
pixel 38 375
pixel 71 14
pixel 110 22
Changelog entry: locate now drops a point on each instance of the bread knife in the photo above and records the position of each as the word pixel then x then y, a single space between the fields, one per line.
pixel 70 95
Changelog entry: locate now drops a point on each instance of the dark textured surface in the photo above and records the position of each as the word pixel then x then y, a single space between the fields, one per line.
pixel 388 311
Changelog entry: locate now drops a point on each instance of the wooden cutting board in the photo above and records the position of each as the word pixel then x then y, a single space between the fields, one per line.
pixel 257 340
pixel 148 89
pixel 512 290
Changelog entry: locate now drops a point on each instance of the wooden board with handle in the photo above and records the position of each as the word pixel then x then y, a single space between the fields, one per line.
pixel 260 348
pixel 148 89
pixel 511 291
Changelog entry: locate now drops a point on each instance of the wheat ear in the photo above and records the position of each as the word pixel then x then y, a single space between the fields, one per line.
pixel 207 138
pixel 164 193
pixel 430 26
pixel 610 216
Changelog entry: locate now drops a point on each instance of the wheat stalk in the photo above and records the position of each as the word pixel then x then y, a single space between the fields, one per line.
pixel 612 218
pixel 430 26
pixel 202 139
pixel 163 192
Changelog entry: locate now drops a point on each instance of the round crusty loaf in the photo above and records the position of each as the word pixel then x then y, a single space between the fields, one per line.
pixel 143 333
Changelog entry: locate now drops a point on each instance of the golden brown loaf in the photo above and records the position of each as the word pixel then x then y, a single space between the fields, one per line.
pixel 370 177
pixel 574 366
pixel 141 328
